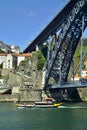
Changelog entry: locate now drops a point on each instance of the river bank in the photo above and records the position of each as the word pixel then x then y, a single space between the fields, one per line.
pixel 20 98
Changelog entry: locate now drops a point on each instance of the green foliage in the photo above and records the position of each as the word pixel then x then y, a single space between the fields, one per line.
pixel 44 50
pixel 77 55
pixel 1 66
pixel 41 60
pixel 23 63
pixel 1 51
pixel 0 75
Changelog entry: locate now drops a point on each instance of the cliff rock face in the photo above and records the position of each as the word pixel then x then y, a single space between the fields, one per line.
pixel 31 86
pixel 26 79
pixel 30 74
pixel 12 79
pixel 25 75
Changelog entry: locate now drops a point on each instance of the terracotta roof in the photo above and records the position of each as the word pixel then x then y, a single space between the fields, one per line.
pixel 85 60
pixel 23 54
pixel 3 54
pixel 16 54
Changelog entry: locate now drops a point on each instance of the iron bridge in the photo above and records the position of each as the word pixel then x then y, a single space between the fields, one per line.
pixel 62 36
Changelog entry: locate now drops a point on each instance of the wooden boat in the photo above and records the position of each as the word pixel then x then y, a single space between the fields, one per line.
pixel 47 105
pixel 24 105
pixel 38 105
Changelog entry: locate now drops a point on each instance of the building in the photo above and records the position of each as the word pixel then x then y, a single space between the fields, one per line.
pixel 15 49
pixel 4 47
pixel 8 60
pixel 21 57
pixel 2 57
pixel 2 82
pixel 12 60
pixel 9 48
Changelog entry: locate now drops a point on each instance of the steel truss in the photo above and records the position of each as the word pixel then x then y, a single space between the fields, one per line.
pixel 62 45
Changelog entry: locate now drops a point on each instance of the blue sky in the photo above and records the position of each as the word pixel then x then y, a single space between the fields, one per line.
pixel 22 20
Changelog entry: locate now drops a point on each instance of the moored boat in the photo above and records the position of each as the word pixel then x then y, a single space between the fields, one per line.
pixel 24 105
pixel 38 105
pixel 48 103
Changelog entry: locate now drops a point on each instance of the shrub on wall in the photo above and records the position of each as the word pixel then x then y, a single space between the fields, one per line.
pixel 41 60
pixel 1 66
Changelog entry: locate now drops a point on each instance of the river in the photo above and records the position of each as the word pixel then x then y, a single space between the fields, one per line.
pixel 66 117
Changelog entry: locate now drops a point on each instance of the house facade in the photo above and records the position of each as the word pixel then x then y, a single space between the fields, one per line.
pixel 9 48
pixel 10 62
pixel 13 60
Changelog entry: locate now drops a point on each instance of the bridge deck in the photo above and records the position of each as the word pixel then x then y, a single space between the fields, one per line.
pixel 69 85
pixel 51 27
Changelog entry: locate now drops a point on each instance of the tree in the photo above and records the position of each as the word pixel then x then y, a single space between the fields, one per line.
pixel 41 60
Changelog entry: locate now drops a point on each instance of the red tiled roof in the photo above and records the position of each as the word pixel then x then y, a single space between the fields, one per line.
pixel 23 54
pixel 3 54
pixel 16 54
pixel 85 60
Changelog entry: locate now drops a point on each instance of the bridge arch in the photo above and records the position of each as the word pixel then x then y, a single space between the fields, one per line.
pixel 66 43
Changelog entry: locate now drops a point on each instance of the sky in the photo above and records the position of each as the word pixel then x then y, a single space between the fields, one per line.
pixel 21 21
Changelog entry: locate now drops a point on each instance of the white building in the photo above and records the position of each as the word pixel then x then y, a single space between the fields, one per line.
pixel 2 57
pixel 15 49
pixel 13 60
pixel 9 61
pixel 9 48
pixel 4 47
pixel 21 57
pixel 2 82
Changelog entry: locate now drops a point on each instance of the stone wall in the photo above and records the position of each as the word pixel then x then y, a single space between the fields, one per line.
pixel 30 95
pixel 9 98
pixel 12 79
pixel 26 81
pixel 83 93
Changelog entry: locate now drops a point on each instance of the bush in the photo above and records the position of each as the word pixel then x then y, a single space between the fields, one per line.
pixel 41 60
pixel 1 66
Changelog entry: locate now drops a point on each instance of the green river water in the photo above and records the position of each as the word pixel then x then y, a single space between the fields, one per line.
pixel 66 117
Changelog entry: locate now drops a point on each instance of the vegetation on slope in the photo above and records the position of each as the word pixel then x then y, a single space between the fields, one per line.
pixel 41 60
pixel 77 59
pixel 1 51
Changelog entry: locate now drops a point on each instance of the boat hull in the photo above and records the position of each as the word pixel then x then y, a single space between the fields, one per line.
pixel 37 106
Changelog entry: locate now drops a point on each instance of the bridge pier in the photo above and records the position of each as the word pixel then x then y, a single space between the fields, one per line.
pixel 62 36
pixel 69 94
pixel 73 95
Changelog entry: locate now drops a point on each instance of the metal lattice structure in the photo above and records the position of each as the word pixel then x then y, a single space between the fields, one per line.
pixel 62 36
pixel 61 55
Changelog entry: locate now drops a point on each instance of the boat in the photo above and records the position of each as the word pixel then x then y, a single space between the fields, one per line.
pixel 24 105
pixel 46 104
pixel 38 105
